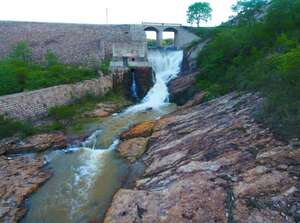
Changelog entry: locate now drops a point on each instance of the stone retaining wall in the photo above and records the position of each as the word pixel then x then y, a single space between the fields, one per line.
pixel 36 104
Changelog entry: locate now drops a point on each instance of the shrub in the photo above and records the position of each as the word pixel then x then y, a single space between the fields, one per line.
pixel 21 52
pixel 9 127
pixel 104 66
pixel 262 57
pixel 50 58
pixel 19 73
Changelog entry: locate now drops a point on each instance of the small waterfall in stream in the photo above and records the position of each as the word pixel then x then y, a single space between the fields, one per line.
pixel 133 88
pixel 86 177
pixel 166 65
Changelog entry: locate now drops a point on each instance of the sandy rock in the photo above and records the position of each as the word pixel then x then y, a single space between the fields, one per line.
pixel 144 129
pixel 20 177
pixel 132 149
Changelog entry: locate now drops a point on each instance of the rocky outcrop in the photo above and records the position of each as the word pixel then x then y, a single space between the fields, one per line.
pixel 133 149
pixel 102 110
pixel 20 177
pixel 213 163
pixel 189 63
pixel 35 143
pixel 182 88
pixel 144 129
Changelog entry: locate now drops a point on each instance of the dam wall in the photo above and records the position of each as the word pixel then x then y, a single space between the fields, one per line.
pixel 72 43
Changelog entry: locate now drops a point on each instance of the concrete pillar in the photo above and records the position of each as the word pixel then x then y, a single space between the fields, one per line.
pixel 176 39
pixel 159 38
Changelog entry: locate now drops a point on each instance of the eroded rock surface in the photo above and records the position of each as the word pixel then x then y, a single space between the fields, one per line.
pixel 133 149
pixel 20 177
pixel 35 143
pixel 182 88
pixel 144 129
pixel 213 163
pixel 102 110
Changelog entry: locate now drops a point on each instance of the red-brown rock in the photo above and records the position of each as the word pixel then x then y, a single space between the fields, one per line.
pixel 144 129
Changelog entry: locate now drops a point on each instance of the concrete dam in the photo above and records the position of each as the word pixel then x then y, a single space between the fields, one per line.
pixel 84 44
pixel 87 44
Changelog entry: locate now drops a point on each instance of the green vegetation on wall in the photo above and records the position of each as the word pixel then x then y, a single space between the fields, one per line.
pixel 18 72
pixel 259 56
pixel 62 116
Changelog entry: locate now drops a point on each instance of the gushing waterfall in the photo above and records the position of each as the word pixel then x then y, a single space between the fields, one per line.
pixel 166 65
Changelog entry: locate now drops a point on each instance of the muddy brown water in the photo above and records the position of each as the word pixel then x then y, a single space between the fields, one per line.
pixel 85 178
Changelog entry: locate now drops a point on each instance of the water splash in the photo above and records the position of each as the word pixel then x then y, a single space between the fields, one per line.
pixel 133 88
pixel 166 65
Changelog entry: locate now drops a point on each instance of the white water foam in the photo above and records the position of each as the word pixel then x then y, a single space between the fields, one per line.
pixel 166 65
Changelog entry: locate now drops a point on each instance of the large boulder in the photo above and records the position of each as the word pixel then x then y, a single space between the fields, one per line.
pixel 133 149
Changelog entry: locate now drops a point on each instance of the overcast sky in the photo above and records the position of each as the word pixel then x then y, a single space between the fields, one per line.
pixel 119 11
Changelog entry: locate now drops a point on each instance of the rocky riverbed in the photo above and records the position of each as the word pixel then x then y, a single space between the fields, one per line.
pixel 20 177
pixel 23 167
pixel 210 163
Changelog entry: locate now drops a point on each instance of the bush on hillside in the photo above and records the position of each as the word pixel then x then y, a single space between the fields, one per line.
pixel 264 57
pixel 18 72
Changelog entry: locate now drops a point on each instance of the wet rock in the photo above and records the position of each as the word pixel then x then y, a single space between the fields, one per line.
pixel 38 143
pixel 144 129
pixel 182 88
pixel 102 110
pixel 20 177
pixel 212 163
pixel 132 149
pixel 7 144
pixel 143 78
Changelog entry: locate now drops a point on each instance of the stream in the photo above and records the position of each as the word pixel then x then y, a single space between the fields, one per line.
pixel 85 178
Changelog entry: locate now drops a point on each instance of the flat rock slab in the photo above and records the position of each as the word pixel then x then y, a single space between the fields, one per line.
pixel 35 143
pixel 213 163
pixel 20 177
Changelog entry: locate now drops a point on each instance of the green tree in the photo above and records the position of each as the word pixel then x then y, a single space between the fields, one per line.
pixel 199 11
pixel 248 9
pixel 21 51
pixel 50 58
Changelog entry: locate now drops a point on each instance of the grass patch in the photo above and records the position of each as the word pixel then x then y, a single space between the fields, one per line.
pixel 67 113
pixel 9 127
pixel 62 117
pixel 19 72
